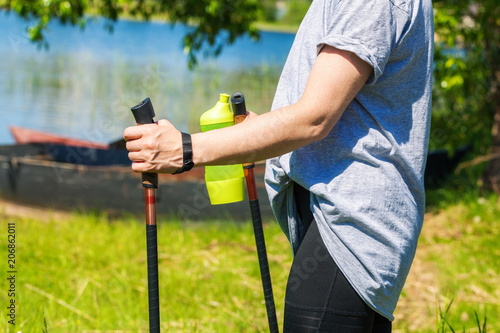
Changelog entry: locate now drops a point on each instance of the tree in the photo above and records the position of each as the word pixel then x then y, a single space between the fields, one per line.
pixel 214 23
pixel 467 66
pixel 467 76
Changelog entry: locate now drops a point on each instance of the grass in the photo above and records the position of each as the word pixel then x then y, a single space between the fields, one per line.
pixel 452 286
pixel 87 273
pixel 455 273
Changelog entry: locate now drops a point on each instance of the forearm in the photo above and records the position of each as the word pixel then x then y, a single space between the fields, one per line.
pixel 258 138
pixel 334 81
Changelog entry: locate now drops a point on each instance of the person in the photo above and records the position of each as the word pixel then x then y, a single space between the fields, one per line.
pixel 345 145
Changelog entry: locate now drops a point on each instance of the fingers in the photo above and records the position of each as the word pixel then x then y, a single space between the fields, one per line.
pixel 148 131
pixel 133 133
pixel 154 147
pixel 139 165
pixel 136 132
pixel 142 167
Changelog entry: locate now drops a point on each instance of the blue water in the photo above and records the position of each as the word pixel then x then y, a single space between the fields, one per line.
pixel 85 82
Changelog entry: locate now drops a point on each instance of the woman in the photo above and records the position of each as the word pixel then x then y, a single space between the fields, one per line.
pixel 346 145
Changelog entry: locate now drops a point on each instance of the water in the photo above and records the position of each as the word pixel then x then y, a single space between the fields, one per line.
pixel 85 83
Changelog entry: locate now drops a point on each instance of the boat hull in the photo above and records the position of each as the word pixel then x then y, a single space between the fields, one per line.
pixel 23 135
pixel 27 178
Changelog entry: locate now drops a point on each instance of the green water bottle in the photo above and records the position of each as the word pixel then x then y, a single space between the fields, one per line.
pixel 225 183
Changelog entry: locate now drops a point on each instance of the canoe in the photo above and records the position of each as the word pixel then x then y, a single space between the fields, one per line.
pixel 23 135
pixel 71 178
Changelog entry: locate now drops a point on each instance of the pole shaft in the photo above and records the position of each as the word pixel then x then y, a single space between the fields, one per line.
pixel 152 260
pixel 150 201
pixel 144 114
pixel 153 285
pixel 260 243
pixel 240 112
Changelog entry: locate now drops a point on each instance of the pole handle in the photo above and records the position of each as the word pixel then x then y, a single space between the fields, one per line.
pixel 144 114
pixel 240 113
pixel 239 108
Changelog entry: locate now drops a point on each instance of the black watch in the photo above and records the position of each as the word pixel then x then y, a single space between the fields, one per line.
pixel 187 154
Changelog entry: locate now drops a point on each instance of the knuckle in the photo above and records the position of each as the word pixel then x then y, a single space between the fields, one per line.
pixel 149 144
pixel 149 167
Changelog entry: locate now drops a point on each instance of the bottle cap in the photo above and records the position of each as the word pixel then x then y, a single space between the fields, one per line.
pixel 219 113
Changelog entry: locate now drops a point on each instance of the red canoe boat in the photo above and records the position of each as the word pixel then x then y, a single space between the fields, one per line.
pixel 23 135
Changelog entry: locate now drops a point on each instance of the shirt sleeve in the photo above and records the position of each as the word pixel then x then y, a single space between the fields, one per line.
pixel 371 29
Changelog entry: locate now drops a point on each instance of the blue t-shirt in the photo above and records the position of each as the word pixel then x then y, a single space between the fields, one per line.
pixel 366 176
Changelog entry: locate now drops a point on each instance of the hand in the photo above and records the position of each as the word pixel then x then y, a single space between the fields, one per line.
pixel 154 147
pixel 251 114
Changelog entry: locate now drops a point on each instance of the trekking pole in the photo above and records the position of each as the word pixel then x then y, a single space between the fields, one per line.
pixel 240 112
pixel 144 114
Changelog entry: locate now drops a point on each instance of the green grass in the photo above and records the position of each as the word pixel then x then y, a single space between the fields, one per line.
pixel 88 274
pixel 453 284
pixel 467 253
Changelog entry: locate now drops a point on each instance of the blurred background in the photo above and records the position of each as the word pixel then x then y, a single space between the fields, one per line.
pixel 74 69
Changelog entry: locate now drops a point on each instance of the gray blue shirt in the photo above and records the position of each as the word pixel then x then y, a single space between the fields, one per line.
pixel 366 176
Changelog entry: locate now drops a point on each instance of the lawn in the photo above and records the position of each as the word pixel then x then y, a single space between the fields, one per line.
pixel 87 273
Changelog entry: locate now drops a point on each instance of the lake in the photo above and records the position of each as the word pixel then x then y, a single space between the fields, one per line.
pixel 84 84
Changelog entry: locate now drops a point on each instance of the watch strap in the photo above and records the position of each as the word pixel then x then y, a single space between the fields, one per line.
pixel 187 154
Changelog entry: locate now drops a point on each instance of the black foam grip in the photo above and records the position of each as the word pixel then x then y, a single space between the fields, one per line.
pixel 238 104
pixel 264 266
pixel 144 112
pixel 153 285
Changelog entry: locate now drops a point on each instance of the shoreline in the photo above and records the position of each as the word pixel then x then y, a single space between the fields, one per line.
pixel 262 26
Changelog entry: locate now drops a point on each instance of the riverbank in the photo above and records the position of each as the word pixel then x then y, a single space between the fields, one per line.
pixel 269 26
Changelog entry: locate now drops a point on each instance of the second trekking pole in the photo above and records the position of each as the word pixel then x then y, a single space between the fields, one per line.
pixel 144 114
pixel 240 112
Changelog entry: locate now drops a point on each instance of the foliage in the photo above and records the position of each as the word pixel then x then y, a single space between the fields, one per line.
pixel 466 69
pixel 214 23
pixel 466 89
pixel 295 11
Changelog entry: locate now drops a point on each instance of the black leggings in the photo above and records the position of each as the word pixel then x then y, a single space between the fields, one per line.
pixel 318 296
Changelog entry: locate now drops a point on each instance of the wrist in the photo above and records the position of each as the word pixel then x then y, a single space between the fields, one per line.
pixel 187 154
pixel 199 155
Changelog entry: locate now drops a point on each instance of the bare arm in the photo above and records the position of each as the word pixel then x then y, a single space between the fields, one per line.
pixel 335 79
